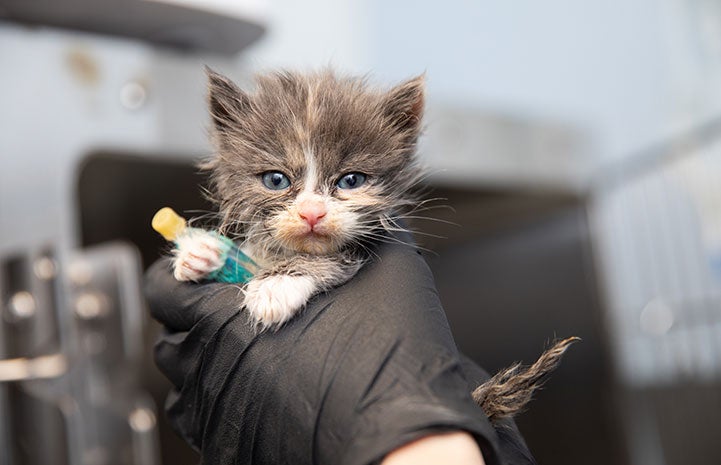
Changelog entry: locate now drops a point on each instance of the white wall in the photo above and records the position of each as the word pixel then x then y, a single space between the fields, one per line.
pixel 313 33
pixel 631 72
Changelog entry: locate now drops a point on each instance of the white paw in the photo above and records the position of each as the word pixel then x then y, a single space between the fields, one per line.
pixel 275 299
pixel 198 254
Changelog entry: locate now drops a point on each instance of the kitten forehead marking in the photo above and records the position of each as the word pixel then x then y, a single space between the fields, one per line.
pixel 311 171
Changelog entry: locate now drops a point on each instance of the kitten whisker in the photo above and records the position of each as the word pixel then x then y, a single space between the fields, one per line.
pixel 366 248
pixel 414 231
pixel 388 238
pixel 394 240
pixel 423 208
pixel 426 218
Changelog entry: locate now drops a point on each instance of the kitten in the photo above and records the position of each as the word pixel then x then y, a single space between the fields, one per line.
pixel 309 171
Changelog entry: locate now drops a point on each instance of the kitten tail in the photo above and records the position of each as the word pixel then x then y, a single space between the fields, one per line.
pixel 508 392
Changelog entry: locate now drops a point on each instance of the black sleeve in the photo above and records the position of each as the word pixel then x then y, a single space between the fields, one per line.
pixel 361 371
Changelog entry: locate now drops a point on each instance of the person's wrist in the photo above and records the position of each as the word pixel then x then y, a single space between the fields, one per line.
pixel 454 448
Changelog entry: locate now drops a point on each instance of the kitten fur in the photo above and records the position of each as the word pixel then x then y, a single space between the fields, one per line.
pixel 314 232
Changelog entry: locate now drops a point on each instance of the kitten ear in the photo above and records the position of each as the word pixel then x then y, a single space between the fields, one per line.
pixel 228 103
pixel 404 105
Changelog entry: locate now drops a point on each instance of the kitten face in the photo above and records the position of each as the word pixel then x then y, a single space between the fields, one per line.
pixel 312 163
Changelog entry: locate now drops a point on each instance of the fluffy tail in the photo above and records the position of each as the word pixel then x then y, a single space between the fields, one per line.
pixel 508 392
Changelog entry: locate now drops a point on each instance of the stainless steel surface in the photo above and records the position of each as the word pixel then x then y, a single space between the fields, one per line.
pixel 73 384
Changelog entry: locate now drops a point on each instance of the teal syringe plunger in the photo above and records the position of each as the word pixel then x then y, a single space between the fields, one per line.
pixel 237 266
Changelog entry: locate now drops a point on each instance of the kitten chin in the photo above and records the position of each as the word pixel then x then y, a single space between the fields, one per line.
pixel 313 243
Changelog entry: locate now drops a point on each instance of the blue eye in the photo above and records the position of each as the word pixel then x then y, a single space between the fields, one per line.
pixel 275 180
pixel 351 180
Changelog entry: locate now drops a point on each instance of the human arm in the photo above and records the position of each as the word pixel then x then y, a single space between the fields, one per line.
pixel 364 370
pixel 457 447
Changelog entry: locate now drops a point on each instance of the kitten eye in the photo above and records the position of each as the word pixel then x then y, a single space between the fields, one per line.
pixel 351 180
pixel 275 180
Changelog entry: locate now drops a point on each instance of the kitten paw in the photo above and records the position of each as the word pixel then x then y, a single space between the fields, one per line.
pixel 197 255
pixel 275 299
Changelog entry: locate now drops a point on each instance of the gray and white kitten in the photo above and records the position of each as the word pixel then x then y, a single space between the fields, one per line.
pixel 308 171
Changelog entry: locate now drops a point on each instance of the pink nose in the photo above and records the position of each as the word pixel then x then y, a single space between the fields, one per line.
pixel 311 211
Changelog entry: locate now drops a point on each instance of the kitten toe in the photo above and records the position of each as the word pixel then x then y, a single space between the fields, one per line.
pixel 275 299
pixel 197 255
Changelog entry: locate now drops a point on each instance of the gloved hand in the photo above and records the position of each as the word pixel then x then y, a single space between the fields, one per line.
pixel 364 369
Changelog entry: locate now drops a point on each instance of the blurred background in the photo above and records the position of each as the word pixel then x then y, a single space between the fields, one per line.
pixel 578 144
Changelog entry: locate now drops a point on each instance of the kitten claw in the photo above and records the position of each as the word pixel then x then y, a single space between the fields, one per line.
pixel 197 255
pixel 273 300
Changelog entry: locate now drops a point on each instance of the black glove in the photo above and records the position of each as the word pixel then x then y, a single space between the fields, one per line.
pixel 364 369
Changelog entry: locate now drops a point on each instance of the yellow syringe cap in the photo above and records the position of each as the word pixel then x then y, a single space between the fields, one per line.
pixel 168 223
